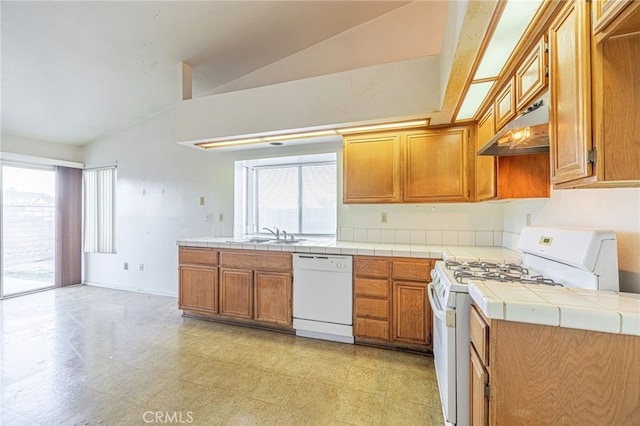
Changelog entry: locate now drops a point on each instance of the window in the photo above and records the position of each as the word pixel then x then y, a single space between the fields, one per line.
pixel 295 194
pixel 99 210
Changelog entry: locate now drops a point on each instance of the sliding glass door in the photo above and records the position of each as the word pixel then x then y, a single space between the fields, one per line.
pixel 28 228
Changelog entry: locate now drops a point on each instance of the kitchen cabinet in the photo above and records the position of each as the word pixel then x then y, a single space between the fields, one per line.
pixel 505 104
pixel 531 76
pixel 537 374
pixel 372 168
pixel 251 287
pixel 485 165
pixel 198 274
pixel 416 166
pixel 236 293
pixel 436 166
pixel 593 113
pixel 390 302
pixel 273 298
pixel 614 18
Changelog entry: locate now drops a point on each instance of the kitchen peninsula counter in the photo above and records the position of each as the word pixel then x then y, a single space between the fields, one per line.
pixel 331 246
pixel 592 310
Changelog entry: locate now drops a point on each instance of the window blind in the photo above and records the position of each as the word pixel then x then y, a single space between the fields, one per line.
pixel 99 210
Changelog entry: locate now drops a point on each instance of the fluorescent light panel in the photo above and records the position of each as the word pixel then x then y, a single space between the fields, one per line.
pixel 315 134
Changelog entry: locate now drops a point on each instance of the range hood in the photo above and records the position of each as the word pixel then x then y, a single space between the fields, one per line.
pixel 526 134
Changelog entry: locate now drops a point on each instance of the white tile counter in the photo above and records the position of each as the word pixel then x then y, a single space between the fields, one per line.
pixel 593 310
pixel 331 246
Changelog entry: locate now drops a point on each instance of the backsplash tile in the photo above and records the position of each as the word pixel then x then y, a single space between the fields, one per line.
pixel 433 237
pixel 450 238
pixel 418 236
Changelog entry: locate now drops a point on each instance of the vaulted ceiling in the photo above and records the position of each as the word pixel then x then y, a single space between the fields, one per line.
pixel 73 72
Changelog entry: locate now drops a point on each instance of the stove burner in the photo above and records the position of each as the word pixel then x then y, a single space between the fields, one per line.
pixel 463 272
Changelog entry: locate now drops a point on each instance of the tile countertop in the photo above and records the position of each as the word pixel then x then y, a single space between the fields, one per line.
pixel 331 246
pixel 604 311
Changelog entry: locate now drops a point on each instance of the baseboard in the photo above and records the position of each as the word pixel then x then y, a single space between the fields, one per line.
pixel 128 288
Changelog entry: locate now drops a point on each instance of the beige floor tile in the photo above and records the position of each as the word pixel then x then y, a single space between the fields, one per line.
pixel 359 408
pixel 254 412
pixel 367 380
pixel 93 356
pixel 407 413
pixel 315 399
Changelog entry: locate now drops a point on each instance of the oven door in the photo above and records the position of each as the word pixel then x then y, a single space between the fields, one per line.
pixel 444 354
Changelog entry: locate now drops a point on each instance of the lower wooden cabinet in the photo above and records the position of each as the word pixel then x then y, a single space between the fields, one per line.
pixel 236 293
pixel 391 307
pixel 548 375
pixel 411 323
pixel 478 401
pixel 252 287
pixel 198 288
pixel 273 297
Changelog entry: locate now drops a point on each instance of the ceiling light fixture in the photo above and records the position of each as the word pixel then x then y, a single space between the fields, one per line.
pixel 314 134
pixel 300 135
pixel 385 126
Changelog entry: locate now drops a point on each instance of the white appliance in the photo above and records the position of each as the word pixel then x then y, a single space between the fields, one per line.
pixel 553 256
pixel 323 297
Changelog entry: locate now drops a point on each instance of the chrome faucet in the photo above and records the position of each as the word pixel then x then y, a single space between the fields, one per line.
pixel 276 233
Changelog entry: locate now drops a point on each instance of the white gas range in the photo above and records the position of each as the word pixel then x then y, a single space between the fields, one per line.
pixel 575 258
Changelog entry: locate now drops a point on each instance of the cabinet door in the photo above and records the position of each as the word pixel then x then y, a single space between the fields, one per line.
pixel 198 288
pixel 236 293
pixel 478 402
pixel 505 105
pixel 531 76
pixel 372 168
pixel 273 297
pixel 436 166
pixel 485 164
pixel 410 320
pixel 570 82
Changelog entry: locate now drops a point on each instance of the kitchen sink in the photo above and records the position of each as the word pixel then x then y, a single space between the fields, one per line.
pixel 253 240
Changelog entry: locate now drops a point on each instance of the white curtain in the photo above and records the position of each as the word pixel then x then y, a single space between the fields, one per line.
pixel 100 210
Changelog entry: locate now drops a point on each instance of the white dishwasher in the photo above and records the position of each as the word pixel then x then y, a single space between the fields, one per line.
pixel 323 297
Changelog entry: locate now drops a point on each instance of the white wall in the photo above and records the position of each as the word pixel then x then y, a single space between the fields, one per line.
pixel 35 148
pixel 614 209
pixel 159 187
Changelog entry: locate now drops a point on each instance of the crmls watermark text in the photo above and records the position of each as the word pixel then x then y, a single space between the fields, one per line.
pixel 168 417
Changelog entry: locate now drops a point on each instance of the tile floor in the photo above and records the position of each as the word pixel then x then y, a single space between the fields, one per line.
pixel 85 355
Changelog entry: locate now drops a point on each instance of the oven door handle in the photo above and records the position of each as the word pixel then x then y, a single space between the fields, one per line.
pixel 448 316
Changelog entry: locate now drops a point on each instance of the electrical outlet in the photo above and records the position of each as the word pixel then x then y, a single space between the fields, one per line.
pixel 221 217
pixel 125 266
pixel 527 219
pixel 141 267
pixel 383 218
pixel 209 217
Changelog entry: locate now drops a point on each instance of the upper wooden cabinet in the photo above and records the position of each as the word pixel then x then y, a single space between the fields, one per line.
pixel 594 130
pixel 407 166
pixel 372 168
pixel 485 164
pixel 570 109
pixel 614 18
pixel 436 166
pixel 505 105
pixel 531 76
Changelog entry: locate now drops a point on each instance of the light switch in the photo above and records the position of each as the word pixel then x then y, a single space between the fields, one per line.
pixel 202 201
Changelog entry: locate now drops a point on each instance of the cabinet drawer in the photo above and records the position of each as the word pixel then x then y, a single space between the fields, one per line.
pixel 372 308
pixel 371 267
pixel 412 269
pixel 375 329
pixel 197 256
pixel 259 260
pixel 479 334
pixel 371 287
